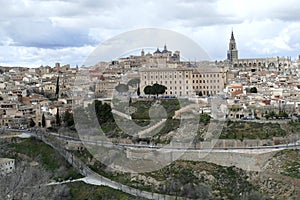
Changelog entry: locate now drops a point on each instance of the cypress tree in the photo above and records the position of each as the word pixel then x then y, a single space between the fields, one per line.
pixel 43 120
pixel 57 87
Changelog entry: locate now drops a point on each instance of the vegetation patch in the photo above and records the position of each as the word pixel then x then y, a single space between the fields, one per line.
pixel 251 130
pixel 289 162
pixel 80 190
pixel 37 151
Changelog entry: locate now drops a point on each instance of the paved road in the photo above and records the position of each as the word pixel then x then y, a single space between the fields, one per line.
pixel 144 146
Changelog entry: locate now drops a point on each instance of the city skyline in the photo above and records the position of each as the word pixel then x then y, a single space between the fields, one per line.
pixel 35 33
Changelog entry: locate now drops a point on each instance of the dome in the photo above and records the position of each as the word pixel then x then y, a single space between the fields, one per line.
pixel 165 49
pixel 157 51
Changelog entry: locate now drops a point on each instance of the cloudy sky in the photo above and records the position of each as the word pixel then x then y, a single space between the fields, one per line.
pixel 42 32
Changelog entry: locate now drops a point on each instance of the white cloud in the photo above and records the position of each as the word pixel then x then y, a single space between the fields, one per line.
pixel 34 57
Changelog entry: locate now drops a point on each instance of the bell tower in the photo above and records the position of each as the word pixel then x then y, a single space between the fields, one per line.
pixel 232 53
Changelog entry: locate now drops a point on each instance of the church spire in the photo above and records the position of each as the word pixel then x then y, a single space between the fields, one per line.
pixel 232 53
pixel 232 36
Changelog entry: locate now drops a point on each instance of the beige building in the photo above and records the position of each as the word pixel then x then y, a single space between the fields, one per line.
pixel 185 81
pixel 208 81
pixel 175 79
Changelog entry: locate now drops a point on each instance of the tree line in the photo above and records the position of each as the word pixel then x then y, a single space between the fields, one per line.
pixel 155 89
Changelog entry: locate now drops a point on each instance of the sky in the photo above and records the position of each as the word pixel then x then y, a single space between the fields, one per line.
pixel 43 32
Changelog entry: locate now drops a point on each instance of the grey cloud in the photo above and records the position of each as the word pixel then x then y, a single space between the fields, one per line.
pixel 42 33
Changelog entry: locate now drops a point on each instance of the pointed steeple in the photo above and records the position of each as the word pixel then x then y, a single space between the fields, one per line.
pixel 232 36
pixel 232 53
pixel 165 49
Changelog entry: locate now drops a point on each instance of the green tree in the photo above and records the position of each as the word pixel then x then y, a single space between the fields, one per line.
pixel 43 120
pixel 253 90
pixel 57 118
pixel 205 118
pixel 138 92
pixel 121 88
pixel 57 87
pixel 130 101
pixel 134 82
pixel 31 123
pixel 158 89
pixel 148 90
pixel 103 112
pixel 282 114
pixel 68 118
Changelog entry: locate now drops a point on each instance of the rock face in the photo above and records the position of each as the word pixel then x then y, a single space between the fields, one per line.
pixel 277 188
pixel 146 180
pixel 280 176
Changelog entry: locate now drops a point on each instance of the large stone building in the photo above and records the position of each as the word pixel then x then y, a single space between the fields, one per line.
pixel 208 81
pixel 277 63
pixel 182 78
pixel 177 80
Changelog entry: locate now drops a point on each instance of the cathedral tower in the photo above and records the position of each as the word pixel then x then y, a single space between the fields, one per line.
pixel 232 53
